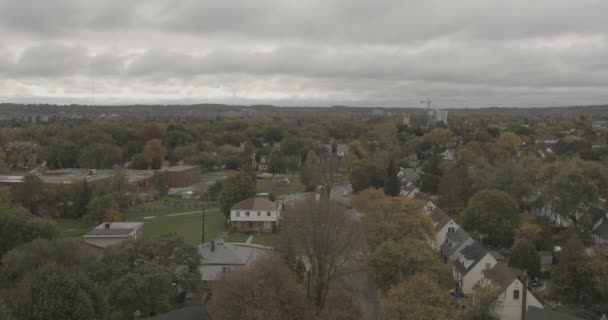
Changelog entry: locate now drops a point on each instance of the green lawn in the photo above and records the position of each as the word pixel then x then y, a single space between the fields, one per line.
pixel 189 226
pixel 266 185
pixel 164 206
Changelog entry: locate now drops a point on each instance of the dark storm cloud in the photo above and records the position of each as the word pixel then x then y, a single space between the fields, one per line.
pixel 465 52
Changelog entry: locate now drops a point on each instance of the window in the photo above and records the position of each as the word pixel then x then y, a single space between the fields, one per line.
pixel 238 214
pixel 488 266
pixel 515 294
pixel 451 229
pixel 268 213
pixel 258 213
pixel 224 269
pixel 247 213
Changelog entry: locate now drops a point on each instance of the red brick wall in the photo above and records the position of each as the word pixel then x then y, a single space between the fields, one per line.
pixel 180 179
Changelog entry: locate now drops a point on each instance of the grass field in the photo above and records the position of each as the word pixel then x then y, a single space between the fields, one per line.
pixel 266 185
pixel 188 225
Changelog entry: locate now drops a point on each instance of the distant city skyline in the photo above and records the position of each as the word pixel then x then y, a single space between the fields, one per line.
pixel 385 53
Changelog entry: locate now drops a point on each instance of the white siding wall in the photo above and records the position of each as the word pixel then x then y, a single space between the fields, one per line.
pixel 474 275
pixel 508 308
pixel 440 236
pixel 241 215
pixel 105 241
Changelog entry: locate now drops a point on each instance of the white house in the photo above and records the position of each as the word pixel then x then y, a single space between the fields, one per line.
pixel 443 225
pixel 471 262
pixel 109 233
pixel 454 243
pixel 218 257
pixel 514 297
pixel 255 215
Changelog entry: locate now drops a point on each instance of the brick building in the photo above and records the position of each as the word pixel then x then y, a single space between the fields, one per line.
pixel 183 176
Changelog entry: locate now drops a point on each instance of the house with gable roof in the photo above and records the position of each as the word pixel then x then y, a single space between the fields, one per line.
pixel 443 225
pixel 514 298
pixel 471 262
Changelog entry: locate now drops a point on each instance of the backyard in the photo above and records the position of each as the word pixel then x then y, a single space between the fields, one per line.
pixel 184 216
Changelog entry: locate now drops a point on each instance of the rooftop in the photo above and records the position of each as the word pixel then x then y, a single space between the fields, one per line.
pixel 440 218
pixel 180 168
pixel 535 313
pixel 255 203
pixel 113 229
pixel 502 275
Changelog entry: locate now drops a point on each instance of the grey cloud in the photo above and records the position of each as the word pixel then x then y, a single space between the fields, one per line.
pixel 52 60
pixel 291 51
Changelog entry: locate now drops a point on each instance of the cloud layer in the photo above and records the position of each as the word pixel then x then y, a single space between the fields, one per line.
pixel 466 53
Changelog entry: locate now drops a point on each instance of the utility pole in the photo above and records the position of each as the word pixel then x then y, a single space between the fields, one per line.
pixel 203 224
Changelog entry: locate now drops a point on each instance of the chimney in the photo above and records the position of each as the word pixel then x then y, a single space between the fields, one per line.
pixel 524 295
pixel 108 225
pixel 212 245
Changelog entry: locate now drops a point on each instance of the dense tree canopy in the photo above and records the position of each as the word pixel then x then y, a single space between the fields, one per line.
pixel 493 215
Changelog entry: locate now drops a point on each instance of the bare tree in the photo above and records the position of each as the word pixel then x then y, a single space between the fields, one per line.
pixel 326 238
pixel 265 291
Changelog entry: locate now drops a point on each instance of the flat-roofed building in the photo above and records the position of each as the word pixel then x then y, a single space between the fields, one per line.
pixel 110 233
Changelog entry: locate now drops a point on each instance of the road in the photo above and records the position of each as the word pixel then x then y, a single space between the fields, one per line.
pixel 359 283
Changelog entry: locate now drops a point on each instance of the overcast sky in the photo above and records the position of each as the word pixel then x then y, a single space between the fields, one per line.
pixel 382 53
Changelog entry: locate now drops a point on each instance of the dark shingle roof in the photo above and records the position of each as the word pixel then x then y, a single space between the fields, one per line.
pixel 602 230
pixel 535 313
pixel 440 218
pixel 257 204
pixel 453 240
pixel 502 275
pixel 595 214
pixel 474 252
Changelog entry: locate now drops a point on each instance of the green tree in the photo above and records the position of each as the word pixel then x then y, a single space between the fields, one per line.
pixel 566 274
pixel 369 174
pixel 146 289
pixel 141 274
pixel 161 183
pixel 4 312
pixel 493 215
pixel 392 262
pixel 309 173
pixel 53 292
pixel 238 186
pixel 392 187
pixel 29 257
pixel 99 206
pixel 573 183
pixel 429 181
pixel 30 192
pixel 484 307
pixel 418 298
pixel 79 193
pixel 455 188
pixel 121 189
pixel 100 156
pixel 18 227
pixel 525 257
pixel 276 164
pixel 154 153
pixel 439 138
pixel 392 218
